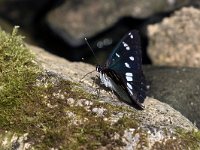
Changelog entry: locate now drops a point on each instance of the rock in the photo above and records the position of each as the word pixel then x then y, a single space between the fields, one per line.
pixel 181 96
pixel 73 21
pixel 177 86
pixel 14 141
pixel 175 41
pixel 158 121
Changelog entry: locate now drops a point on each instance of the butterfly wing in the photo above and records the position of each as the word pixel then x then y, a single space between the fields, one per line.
pixel 129 46
pixel 126 63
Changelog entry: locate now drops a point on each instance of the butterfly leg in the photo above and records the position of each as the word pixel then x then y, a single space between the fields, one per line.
pixel 97 89
pixel 112 93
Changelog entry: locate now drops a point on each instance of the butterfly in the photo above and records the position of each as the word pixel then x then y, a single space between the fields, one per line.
pixel 123 73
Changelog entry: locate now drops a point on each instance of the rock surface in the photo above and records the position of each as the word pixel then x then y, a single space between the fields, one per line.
pixel 175 41
pixel 156 116
pixel 74 71
pixel 177 86
pixel 64 115
pixel 87 19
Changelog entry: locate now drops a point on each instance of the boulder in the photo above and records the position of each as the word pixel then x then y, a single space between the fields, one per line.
pixel 175 41
pixel 177 86
pixel 75 20
pixel 157 123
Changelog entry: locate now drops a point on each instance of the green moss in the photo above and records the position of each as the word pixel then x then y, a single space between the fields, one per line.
pixel 189 139
pixel 182 140
pixel 17 72
pixel 37 103
pixel 52 127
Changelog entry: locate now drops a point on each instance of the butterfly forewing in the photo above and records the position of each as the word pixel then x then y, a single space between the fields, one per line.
pixel 129 49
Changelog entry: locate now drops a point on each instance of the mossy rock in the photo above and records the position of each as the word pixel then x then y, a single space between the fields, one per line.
pixel 41 110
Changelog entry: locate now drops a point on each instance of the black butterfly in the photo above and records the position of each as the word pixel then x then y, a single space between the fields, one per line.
pixel 123 71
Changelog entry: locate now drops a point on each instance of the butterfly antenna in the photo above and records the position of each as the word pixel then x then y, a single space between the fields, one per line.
pixel 94 57
pixel 91 50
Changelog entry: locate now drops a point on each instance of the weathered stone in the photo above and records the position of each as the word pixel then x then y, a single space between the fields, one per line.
pixel 177 86
pixel 75 20
pixel 175 41
pixel 158 121
pixel 75 71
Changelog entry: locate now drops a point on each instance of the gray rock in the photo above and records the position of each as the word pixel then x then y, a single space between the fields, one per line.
pixel 175 41
pixel 157 123
pixel 74 20
pixel 178 87
pixel 76 70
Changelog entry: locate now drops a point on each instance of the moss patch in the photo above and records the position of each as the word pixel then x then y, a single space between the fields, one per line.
pixel 17 73
pixel 53 121
pixel 39 104
pixel 191 139
pixel 67 121
pixel 180 140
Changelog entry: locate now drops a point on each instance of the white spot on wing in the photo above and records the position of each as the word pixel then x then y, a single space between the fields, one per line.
pixel 131 58
pixel 127 65
pixel 128 78
pixel 129 74
pixel 125 45
pixel 130 91
pixel 117 55
pixel 131 36
pixel 129 86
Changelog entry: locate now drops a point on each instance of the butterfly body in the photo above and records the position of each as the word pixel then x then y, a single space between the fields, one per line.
pixel 123 73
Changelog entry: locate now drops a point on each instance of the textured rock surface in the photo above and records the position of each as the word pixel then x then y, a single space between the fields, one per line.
pixel 64 116
pixel 75 71
pixel 177 86
pixel 87 18
pixel 155 120
pixel 175 41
